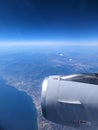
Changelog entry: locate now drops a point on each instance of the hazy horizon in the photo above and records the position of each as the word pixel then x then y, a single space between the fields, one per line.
pixel 57 21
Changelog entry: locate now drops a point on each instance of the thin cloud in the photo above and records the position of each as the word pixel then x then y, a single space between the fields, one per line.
pixel 50 43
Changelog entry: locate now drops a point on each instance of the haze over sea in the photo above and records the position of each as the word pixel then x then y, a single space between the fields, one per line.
pixel 23 70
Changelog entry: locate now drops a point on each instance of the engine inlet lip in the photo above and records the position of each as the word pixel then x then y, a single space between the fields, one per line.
pixel 43 97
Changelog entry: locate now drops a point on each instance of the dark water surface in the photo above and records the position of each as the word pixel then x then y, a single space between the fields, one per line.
pixel 17 111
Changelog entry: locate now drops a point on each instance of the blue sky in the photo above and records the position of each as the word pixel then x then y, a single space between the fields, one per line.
pixel 49 20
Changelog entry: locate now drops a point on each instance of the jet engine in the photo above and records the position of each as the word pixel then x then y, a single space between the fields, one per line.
pixel 71 100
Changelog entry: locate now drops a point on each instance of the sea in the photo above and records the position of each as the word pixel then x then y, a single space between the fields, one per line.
pixel 17 110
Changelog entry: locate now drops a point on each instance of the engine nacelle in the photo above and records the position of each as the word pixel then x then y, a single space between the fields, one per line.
pixel 71 100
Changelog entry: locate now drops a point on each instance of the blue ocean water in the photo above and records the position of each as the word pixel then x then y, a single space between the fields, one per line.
pixel 17 111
